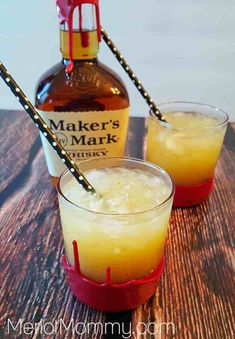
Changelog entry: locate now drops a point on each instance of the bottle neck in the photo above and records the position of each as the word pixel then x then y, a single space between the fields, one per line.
pixel 79 36
pixel 85 44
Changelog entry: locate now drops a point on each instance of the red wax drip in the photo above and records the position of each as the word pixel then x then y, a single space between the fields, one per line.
pixel 76 256
pixel 84 35
pixel 108 276
pixel 65 12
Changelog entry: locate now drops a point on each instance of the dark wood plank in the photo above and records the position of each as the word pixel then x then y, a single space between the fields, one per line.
pixel 197 287
pixel 16 152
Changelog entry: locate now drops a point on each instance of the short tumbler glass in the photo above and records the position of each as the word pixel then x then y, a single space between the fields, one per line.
pixel 189 154
pixel 114 261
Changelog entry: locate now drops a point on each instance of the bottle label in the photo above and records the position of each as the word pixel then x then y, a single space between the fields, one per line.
pixel 85 135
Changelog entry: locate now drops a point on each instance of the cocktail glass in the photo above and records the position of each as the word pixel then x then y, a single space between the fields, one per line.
pixel 114 261
pixel 188 151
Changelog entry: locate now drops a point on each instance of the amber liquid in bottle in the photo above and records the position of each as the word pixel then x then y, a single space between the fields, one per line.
pixel 90 87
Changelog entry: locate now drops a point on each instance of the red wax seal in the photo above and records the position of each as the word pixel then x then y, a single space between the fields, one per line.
pixel 65 12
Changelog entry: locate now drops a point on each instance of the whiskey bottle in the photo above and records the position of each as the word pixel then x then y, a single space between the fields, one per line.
pixel 83 101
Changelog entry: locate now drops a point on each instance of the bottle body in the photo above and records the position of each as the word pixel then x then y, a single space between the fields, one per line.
pixel 86 108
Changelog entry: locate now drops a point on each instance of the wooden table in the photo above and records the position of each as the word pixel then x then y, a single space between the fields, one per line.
pixel 196 293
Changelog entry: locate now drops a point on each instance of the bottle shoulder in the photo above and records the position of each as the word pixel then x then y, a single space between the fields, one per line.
pixel 90 86
pixel 52 72
pixel 113 76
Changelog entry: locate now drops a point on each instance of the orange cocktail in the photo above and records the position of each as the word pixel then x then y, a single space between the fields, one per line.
pixel 187 147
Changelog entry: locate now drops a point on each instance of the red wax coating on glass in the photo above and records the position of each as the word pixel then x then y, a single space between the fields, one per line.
pixel 192 195
pixel 108 296
pixel 65 11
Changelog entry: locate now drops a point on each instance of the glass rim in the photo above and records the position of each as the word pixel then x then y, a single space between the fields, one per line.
pixel 214 108
pixel 120 215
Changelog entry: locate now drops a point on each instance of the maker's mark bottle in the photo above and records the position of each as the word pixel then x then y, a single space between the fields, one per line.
pixel 84 102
